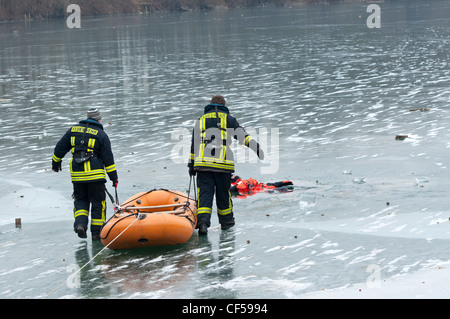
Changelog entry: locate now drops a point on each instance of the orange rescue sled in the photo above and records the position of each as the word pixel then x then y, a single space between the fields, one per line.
pixel 155 218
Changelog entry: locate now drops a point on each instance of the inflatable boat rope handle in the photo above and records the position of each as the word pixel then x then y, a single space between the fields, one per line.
pixel 117 197
pixel 153 207
pixel 116 206
pixel 135 198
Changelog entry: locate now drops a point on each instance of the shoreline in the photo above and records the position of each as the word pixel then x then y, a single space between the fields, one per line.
pixel 56 9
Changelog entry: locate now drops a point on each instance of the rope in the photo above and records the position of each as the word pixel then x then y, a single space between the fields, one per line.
pixel 138 215
pixel 135 198
pixel 130 215
pixel 60 285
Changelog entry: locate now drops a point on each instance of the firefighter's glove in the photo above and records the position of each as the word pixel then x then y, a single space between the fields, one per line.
pixel 56 166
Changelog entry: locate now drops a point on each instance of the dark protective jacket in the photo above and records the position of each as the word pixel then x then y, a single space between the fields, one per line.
pixel 212 136
pixel 87 141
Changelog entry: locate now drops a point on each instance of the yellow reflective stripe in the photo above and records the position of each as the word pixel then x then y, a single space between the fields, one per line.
pixel 204 210
pixel 219 166
pixel 81 212
pixel 81 129
pixel 110 168
pixel 92 172
pixel 72 140
pixel 214 160
pixel 216 165
pixel 225 211
pixel 202 125
pixel 91 143
pixel 212 115
pixel 247 140
pixel 56 159
pixel 87 166
pixel 99 222
pixel 213 164
pixel 223 153
pixel 223 125
pixel 87 176
pixel 201 150
pixel 223 134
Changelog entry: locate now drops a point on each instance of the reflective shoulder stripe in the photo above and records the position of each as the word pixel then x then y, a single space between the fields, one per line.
pixel 81 129
pixel 223 128
pixel 77 129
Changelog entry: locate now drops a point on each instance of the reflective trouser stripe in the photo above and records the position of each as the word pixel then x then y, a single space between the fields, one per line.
pixel 80 212
pixel 99 222
pixel 204 210
pixel 225 211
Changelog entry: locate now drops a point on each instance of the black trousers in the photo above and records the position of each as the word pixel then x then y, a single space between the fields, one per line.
pixel 208 185
pixel 89 196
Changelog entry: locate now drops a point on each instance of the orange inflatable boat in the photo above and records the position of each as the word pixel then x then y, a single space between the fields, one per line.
pixel 154 218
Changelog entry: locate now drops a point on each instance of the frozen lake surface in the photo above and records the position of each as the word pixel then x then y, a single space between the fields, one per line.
pixel 325 95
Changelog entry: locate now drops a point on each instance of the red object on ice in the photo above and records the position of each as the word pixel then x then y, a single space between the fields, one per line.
pixel 250 186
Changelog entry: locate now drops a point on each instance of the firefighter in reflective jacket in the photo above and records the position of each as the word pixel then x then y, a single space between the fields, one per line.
pixel 91 156
pixel 213 161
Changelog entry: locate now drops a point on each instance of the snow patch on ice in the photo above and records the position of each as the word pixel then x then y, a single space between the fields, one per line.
pixel 33 204
pixel 428 283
